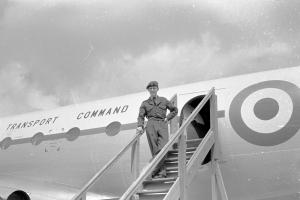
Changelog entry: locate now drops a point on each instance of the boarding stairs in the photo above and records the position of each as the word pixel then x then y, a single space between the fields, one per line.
pixel 183 159
pixel 158 188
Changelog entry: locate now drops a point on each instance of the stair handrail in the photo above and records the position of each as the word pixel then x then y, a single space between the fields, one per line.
pixel 81 195
pixel 146 172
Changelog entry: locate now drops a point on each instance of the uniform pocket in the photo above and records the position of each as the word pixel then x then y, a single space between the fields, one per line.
pixel 149 108
pixel 162 106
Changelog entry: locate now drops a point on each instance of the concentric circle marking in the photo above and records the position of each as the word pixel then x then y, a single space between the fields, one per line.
pixel 266 109
pixel 271 125
pixel 255 117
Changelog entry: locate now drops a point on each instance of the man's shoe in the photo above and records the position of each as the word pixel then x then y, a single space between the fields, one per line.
pixel 154 174
pixel 159 176
pixel 163 174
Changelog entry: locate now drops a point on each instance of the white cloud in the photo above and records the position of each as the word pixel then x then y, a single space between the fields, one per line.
pixel 38 100
pixel 254 58
pixel 236 11
pixel 230 10
pixel 84 50
pixel 18 94
pixel 170 64
pixel 185 62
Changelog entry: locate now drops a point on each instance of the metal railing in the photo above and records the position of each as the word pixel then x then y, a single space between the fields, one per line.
pixel 180 135
pixel 135 142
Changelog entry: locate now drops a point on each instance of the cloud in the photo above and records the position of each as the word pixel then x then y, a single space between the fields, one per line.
pixel 37 100
pixel 18 95
pixel 62 44
pixel 74 51
pixel 3 5
pixel 182 63
pixel 237 11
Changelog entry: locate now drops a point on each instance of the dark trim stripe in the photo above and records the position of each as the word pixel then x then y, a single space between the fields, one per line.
pixel 92 131
pixel 220 113
pixel 62 135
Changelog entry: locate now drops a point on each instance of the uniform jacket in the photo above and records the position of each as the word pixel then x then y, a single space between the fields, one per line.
pixel 156 109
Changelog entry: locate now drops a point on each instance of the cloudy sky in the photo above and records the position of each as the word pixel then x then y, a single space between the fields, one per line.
pixel 60 52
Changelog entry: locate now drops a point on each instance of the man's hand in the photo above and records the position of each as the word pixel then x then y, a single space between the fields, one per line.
pixel 139 130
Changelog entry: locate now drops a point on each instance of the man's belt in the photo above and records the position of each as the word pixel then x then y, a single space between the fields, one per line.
pixel 156 119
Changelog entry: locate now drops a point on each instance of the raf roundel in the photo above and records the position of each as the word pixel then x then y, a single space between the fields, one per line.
pixel 266 113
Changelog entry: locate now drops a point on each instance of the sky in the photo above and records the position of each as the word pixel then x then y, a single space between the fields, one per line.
pixel 60 52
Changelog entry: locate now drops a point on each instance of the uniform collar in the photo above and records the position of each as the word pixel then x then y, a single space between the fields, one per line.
pixel 157 100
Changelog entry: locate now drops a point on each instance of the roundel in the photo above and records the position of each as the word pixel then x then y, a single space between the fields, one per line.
pixel 266 113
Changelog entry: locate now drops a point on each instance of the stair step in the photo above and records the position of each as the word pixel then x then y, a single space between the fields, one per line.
pixel 189 143
pixel 172 174
pixel 159 180
pixel 155 196
pixel 157 185
pixel 172 163
pixel 172 168
pixel 175 159
pixel 188 155
pixel 176 153
pixel 156 191
pixel 172 171
pixel 189 149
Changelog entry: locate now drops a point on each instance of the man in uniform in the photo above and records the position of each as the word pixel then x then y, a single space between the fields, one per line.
pixel 155 109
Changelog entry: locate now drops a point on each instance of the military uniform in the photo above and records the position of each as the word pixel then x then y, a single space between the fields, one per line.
pixel 155 109
pixel 157 128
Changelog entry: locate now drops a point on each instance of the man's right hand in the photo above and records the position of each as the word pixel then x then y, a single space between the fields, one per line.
pixel 139 129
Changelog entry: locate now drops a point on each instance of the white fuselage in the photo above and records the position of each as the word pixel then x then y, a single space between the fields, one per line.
pixel 259 139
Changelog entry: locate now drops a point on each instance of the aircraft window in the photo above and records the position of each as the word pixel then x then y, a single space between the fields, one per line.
pixel 73 134
pixel 5 143
pixel 113 128
pixel 37 138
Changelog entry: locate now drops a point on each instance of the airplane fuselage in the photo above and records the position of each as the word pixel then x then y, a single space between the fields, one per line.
pixel 51 154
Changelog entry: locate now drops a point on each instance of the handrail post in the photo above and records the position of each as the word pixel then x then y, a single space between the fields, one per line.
pixel 136 159
pixel 213 122
pixel 213 110
pixel 220 182
pixel 182 164
pixel 83 196
pixel 214 128
pixel 214 187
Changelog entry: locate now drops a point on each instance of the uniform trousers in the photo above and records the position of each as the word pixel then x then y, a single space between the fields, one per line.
pixel 158 136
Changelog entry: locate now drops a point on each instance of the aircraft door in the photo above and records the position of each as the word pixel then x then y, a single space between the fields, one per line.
pixel 201 124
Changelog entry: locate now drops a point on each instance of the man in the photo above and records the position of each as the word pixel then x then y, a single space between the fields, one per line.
pixel 155 109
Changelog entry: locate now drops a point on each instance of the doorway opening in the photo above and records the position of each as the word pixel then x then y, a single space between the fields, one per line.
pixel 199 127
